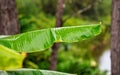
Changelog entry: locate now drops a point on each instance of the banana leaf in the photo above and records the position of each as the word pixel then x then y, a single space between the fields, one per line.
pixel 40 40
pixel 32 72
pixel 10 59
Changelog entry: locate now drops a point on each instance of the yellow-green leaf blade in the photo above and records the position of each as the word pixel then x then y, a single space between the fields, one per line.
pixel 9 59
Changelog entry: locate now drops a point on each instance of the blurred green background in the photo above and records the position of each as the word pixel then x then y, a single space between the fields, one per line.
pixel 82 57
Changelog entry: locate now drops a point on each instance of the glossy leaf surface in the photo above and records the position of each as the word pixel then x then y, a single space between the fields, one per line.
pixel 43 39
pixel 32 72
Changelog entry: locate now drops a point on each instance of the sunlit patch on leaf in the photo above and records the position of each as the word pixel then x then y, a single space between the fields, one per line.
pixel 10 59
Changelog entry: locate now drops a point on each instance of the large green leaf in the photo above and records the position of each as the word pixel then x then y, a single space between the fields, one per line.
pixel 42 39
pixel 10 59
pixel 32 72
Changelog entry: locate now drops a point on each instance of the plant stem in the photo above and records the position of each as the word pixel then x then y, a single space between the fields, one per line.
pixel 59 23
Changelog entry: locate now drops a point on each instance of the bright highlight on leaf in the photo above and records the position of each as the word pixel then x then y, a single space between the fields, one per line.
pixel 9 59
pixel 42 39
pixel 33 72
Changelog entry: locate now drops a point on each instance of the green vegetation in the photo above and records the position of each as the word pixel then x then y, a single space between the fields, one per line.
pixel 32 72
pixel 82 57
pixel 10 59
pixel 28 42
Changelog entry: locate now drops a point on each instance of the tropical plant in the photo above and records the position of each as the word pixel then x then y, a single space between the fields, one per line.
pixel 13 48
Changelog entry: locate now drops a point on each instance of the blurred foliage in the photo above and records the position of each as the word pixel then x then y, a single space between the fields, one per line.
pixel 69 61
pixel 75 63
pixel 72 58
pixel 30 22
